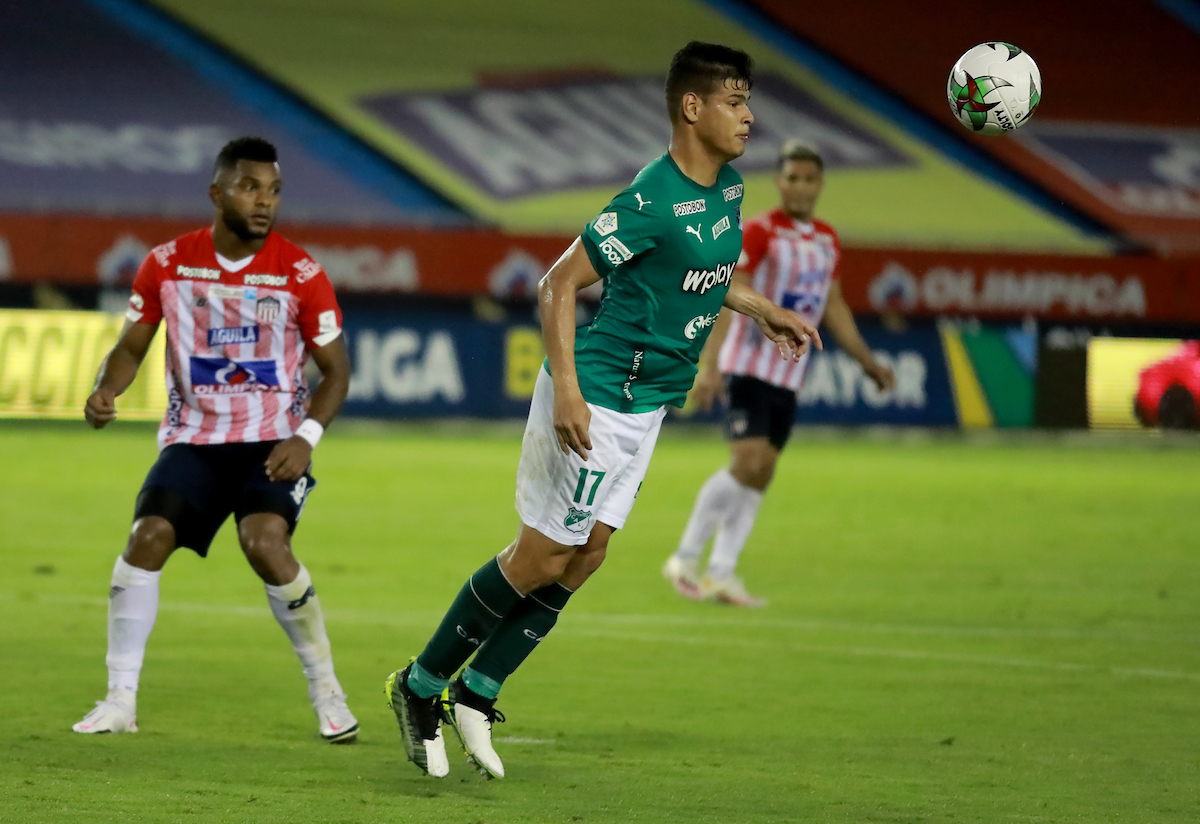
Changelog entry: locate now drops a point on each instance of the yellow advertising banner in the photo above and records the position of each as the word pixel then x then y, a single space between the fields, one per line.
pixel 48 363
pixel 1135 383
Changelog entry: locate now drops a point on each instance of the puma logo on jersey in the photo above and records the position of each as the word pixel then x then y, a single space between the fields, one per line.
pixel 641 202
pixel 696 231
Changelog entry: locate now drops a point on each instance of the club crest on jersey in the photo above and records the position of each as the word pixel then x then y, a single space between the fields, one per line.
pixel 222 376
pixel 689 207
pixel 701 280
pixel 577 520
pixel 721 226
pixel 606 224
pixel 267 309
pixel 732 192
pixel 307 269
pixel 231 335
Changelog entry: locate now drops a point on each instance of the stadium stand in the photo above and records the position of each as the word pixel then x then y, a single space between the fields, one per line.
pixel 99 114
pixel 1113 136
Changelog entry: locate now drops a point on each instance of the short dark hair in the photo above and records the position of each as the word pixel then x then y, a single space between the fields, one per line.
pixel 800 150
pixel 244 148
pixel 702 68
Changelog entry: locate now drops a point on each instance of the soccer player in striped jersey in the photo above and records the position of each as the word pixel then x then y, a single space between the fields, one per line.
pixel 791 258
pixel 244 311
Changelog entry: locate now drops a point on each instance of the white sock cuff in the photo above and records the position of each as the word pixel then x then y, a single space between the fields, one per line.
pixel 127 575
pixel 293 591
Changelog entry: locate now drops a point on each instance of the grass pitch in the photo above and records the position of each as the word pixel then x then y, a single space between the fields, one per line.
pixel 957 633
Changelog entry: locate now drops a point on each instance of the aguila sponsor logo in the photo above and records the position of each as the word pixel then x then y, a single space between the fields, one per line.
pixel 701 280
pixel 232 334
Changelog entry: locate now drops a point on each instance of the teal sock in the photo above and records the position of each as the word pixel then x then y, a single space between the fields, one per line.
pixel 424 683
pixel 482 602
pixel 517 636
pixel 481 684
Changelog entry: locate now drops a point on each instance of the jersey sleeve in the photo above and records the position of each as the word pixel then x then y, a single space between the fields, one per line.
pixel 755 238
pixel 145 301
pixel 320 317
pixel 836 274
pixel 625 229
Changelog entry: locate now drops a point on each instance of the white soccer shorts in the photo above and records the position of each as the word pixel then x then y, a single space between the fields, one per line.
pixel 561 495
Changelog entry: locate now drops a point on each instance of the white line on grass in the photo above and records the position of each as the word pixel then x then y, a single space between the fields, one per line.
pixel 735 621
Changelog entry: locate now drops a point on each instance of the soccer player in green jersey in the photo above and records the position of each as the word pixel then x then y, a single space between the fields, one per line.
pixel 666 248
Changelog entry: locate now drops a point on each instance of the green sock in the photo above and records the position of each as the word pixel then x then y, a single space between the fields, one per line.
pixel 481 603
pixel 516 637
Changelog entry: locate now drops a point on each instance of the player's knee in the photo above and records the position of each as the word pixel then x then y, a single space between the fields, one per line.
pixel 754 469
pixel 268 549
pixel 151 542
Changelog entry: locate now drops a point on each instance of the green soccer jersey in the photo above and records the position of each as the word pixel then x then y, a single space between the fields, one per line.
pixel 666 248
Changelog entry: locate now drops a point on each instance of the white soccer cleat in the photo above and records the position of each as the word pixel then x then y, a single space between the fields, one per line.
pixel 116 713
pixel 729 590
pixel 338 724
pixel 684 576
pixel 474 726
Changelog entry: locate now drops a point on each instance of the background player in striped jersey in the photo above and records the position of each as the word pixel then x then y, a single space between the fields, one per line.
pixel 244 310
pixel 791 258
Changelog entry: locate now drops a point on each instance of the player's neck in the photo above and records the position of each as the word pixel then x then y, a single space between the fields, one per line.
pixel 230 246
pixel 799 217
pixel 694 159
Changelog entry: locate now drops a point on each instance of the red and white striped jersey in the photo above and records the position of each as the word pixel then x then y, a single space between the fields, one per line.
pixel 236 341
pixel 793 264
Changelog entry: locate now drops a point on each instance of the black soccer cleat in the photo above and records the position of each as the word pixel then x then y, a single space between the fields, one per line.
pixel 420 724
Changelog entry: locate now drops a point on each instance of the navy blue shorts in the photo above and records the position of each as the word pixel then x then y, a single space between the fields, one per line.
pixel 758 409
pixel 196 488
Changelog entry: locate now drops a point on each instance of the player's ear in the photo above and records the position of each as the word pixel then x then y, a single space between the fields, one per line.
pixel 214 194
pixel 691 107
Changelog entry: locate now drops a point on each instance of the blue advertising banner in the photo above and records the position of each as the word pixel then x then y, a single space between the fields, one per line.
pixel 439 365
pixel 835 390
pixel 435 365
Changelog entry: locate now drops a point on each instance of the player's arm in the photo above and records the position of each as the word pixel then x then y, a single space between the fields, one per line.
pixel 556 310
pixel 291 457
pixel 708 385
pixel 790 332
pixel 840 321
pixel 117 371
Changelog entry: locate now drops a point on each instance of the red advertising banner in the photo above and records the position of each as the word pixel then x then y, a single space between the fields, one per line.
pixel 107 251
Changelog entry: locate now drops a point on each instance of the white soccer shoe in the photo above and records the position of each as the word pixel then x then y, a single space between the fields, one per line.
pixel 116 713
pixel 684 576
pixel 473 724
pixel 729 590
pixel 338 724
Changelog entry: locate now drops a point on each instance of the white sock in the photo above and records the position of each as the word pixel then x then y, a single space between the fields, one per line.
pixel 717 499
pixel 298 610
pixel 132 608
pixel 733 531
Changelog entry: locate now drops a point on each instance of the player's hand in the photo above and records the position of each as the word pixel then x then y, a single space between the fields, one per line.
pixel 790 332
pixel 289 459
pixel 101 408
pixel 709 387
pixel 884 377
pixel 571 421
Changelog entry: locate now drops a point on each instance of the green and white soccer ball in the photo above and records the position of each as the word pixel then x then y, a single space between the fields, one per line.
pixel 994 88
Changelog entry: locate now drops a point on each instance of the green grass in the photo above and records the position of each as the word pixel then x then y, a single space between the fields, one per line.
pixel 958 632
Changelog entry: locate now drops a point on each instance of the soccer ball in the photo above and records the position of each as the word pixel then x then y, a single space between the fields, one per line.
pixel 994 88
